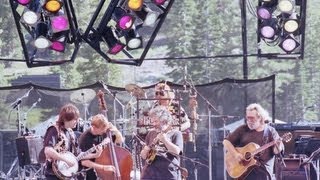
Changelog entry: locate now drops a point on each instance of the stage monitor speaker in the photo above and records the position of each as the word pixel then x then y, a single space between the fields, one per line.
pixel 7 149
pixel 28 149
pixel 292 169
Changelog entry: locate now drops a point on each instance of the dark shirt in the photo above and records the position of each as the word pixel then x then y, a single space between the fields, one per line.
pixel 86 141
pixel 243 136
pixel 162 167
pixel 66 142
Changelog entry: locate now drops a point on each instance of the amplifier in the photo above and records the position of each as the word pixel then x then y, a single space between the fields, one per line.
pixel 291 169
pixel 28 149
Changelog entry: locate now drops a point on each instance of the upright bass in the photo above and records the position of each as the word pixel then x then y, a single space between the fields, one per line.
pixel 114 155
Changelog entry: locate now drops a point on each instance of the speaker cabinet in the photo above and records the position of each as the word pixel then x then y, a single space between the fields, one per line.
pixel 7 149
pixel 28 149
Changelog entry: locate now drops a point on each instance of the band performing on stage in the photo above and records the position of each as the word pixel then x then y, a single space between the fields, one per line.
pixel 165 134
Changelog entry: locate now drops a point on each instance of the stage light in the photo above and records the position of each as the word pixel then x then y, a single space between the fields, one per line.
pixel 29 17
pixel 291 25
pixel 135 5
pixel 41 42
pixel 289 44
pixel 269 29
pixel 148 16
pixel 133 40
pixel 23 2
pixel 269 3
pixel 59 23
pixel 124 20
pixel 286 6
pixel 159 2
pixel 264 12
pixel 58 46
pixel 115 46
pixel 284 32
pixel 47 29
pixel 52 6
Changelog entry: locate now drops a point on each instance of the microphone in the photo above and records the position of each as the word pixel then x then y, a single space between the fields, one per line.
pixel 16 104
pixel 35 103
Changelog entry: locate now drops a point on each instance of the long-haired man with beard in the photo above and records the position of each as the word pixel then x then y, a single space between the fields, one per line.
pixel 257 131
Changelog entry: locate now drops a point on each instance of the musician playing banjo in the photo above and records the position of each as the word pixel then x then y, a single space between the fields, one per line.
pixel 60 138
pixel 163 145
pixel 254 131
pixel 93 136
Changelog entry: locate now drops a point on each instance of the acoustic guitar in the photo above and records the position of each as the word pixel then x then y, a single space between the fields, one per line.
pixel 240 169
pixel 63 171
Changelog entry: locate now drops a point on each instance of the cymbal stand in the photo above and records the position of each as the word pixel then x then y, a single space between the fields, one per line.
pixel 195 162
pixel 115 101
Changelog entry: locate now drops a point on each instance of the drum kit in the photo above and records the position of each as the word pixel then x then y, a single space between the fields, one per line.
pixel 85 96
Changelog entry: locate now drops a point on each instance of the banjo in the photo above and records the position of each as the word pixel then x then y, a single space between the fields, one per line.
pixel 63 171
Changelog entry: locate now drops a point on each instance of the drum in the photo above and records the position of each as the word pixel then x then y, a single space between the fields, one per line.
pixel 145 121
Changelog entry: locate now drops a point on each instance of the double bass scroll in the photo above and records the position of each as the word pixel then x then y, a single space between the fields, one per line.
pixel 114 155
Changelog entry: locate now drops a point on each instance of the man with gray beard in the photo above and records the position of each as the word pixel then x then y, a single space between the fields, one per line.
pixel 254 131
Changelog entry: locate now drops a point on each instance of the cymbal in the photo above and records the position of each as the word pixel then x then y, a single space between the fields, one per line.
pixel 135 90
pixel 82 96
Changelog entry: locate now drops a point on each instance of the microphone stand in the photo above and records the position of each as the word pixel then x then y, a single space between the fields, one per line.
pixel 224 117
pixel 16 105
pixel 25 129
pixel 209 107
pixel 115 99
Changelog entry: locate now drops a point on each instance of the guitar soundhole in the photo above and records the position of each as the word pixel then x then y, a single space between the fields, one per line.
pixel 247 156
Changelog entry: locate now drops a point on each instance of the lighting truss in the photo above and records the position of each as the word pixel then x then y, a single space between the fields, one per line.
pixel 43 43
pixel 281 29
pixel 130 43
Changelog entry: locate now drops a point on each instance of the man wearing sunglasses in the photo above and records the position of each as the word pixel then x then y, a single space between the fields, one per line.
pixel 165 97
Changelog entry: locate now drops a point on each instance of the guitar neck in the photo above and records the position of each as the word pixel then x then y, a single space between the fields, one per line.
pixel 264 147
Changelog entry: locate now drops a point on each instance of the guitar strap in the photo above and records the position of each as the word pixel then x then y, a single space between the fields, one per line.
pixel 266 134
pixel 73 142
